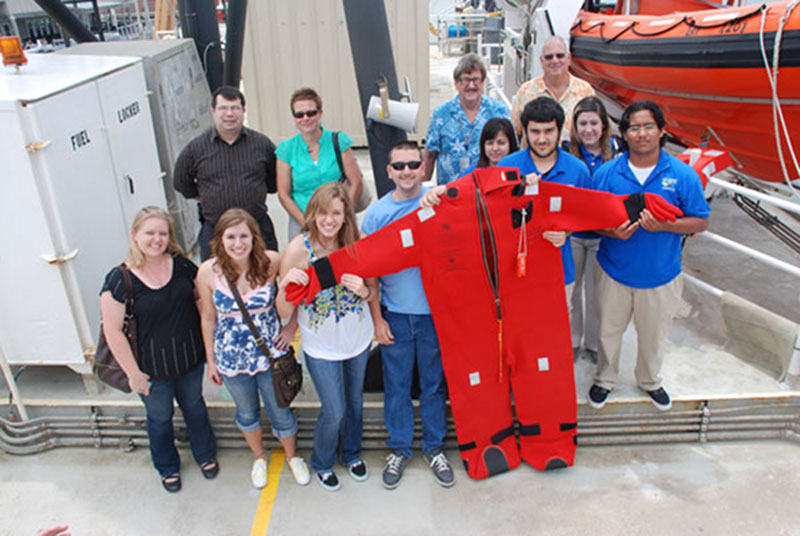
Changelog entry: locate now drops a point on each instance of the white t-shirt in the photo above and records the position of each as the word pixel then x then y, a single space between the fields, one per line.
pixel 641 173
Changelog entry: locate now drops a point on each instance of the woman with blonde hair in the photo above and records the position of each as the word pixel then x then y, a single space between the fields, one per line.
pixel 169 362
pixel 336 330
pixel 240 258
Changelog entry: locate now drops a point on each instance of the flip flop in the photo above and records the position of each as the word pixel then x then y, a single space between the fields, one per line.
pixel 171 483
pixel 210 469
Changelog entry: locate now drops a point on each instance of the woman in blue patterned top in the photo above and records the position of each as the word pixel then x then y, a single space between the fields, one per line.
pixel 336 331
pixel 234 358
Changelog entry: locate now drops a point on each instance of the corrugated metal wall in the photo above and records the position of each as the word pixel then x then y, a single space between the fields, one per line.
pixel 291 44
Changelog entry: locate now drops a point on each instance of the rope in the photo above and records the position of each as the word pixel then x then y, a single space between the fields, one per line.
pixel 778 120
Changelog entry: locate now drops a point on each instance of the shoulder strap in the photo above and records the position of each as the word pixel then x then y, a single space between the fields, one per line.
pixel 260 342
pixel 128 322
pixel 338 151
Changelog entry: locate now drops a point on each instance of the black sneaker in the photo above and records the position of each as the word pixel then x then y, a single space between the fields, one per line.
pixel 393 472
pixel 598 396
pixel 329 481
pixel 660 399
pixel 441 468
pixel 358 470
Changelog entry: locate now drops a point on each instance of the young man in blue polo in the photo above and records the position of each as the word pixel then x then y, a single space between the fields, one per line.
pixel 404 328
pixel 641 262
pixel 542 120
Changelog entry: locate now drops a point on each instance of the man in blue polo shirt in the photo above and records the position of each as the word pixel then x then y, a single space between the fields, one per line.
pixel 542 120
pixel 641 262
pixel 404 328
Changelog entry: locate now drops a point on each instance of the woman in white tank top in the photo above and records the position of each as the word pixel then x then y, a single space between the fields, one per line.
pixel 336 331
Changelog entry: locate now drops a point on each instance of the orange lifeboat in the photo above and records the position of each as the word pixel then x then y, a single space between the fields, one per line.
pixel 708 71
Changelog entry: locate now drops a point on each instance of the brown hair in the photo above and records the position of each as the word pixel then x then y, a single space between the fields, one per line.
pixel 320 201
pixel 591 104
pixel 305 93
pixel 135 257
pixel 258 269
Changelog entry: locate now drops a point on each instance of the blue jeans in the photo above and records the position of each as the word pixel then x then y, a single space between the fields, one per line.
pixel 340 386
pixel 244 390
pixel 188 391
pixel 414 336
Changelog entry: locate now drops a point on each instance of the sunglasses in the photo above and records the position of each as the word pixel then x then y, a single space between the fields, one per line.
pixel 309 113
pixel 400 166
pixel 559 55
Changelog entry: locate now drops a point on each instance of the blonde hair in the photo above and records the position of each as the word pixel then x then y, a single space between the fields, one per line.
pixel 258 269
pixel 320 200
pixel 135 257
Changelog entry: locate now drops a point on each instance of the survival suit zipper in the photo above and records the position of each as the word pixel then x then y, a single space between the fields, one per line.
pixel 492 272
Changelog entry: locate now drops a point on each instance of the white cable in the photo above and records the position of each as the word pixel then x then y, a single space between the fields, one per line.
pixel 777 111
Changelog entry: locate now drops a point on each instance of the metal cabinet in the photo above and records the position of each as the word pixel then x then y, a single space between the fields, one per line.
pixel 79 160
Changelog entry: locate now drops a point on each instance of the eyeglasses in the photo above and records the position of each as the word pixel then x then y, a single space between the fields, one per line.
pixel 225 109
pixel 308 113
pixel 467 80
pixel 647 127
pixel 400 166
pixel 559 55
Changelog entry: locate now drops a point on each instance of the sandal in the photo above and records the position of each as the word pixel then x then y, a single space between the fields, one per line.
pixel 171 483
pixel 210 469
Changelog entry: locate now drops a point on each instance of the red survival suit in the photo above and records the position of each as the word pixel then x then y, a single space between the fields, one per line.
pixel 497 321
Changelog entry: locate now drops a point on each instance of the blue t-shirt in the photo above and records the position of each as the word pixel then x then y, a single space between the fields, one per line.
pixel 308 175
pixel 453 137
pixel 567 170
pixel 401 292
pixel 648 260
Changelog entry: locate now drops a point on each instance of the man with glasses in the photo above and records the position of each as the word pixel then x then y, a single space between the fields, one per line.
pixel 556 82
pixel 453 139
pixel 228 166
pixel 404 328
pixel 641 262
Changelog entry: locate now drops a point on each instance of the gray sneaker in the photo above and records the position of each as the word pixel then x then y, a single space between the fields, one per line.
pixel 393 472
pixel 441 468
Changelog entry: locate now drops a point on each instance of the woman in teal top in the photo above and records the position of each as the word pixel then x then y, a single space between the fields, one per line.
pixel 308 159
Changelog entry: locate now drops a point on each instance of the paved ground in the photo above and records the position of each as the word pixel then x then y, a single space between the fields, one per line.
pixel 713 489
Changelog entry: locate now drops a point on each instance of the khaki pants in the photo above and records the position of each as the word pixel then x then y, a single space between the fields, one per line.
pixel 568 290
pixel 652 310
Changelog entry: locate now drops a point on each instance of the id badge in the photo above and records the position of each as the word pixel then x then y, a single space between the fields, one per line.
pixel 464 163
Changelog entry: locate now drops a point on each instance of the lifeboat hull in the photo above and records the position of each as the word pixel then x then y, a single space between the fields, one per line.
pixel 706 70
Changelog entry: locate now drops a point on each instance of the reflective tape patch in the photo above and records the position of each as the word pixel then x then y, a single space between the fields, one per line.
pixel 532 189
pixel 474 379
pixel 407 238
pixel 544 364
pixel 425 213
pixel 555 204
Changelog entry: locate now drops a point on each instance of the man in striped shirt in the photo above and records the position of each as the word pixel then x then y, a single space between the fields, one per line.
pixel 228 165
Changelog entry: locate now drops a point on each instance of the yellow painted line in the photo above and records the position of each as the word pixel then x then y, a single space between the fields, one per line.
pixel 267 499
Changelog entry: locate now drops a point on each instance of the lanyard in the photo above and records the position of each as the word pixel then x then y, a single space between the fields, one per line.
pixel 464 133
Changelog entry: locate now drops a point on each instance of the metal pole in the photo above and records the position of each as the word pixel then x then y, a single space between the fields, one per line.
pixel 63 16
pixel 772 261
pixel 199 21
pixel 371 47
pixel 12 385
pixel 749 192
pixel 234 42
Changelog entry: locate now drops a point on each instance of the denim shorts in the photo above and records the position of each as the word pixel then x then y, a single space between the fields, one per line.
pixel 244 389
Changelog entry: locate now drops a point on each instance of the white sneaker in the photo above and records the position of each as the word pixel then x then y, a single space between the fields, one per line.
pixel 300 470
pixel 258 473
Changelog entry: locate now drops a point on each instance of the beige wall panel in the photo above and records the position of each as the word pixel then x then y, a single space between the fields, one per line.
pixel 291 44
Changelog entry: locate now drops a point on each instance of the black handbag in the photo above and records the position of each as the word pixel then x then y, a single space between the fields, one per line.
pixel 287 373
pixel 105 366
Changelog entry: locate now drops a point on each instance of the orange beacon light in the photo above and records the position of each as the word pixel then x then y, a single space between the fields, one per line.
pixel 11 49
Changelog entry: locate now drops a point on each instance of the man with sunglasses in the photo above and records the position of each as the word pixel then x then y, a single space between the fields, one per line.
pixel 453 139
pixel 404 328
pixel 556 82
pixel 228 166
